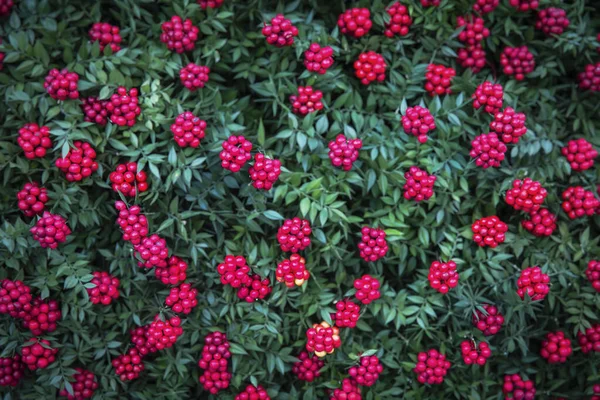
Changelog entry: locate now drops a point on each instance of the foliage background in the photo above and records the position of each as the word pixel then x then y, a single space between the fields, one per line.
pixel 206 213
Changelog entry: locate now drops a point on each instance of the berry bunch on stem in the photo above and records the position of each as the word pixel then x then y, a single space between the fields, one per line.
pixel 323 339
pixel 38 354
pixel 589 78
pixel 214 362
pixel 439 79
pixel 534 283
pixel 367 289
pixel 62 85
pixel 517 61
pixel 443 276
pixel 188 130
pixel 589 341
pixel 488 151
pixel 355 22
pixel 367 372
pixel 432 366
pixel 418 121
pixel 128 180
pixel 15 296
pixel 106 35
pixel 509 125
pixel 106 289
pixel 347 314
pixel 174 273
pixel 95 110
pixel 552 21
pixel 41 316
pixel 294 235
pixel 84 385
pixel 179 35
pixel 318 59
pixel 183 298
pixel 474 354
pixel 489 231
pixel 50 230
pixel 527 195
pixel 592 274
pixel 11 370
pixel 235 153
pixel 343 152
pixel 292 272
pixel 307 369
pixel 128 366
pixel 373 245
pixel 370 67
pixel 34 140
pixel 400 20
pixel 194 76
pixel 580 154
pixel 488 96
pixel 307 100
pixel 281 32
pixel 264 172
pixel 489 322
pixel 32 199
pixel 348 390
pixel 123 107
pixel 540 223
pixel 419 184
pixel 516 388
pixel 163 334
pixel 153 252
pixel 556 348
pixel 132 222
pixel 578 202
pixel 79 162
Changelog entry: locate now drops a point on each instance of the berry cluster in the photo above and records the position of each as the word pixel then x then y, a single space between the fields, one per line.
pixel 373 245
pixel 485 6
pixel 472 56
pixel 235 153
pixel 432 367
pixel 596 395
pixel 182 299
pixel 84 385
pixel 509 125
pixel 188 130
pixel 307 369
pixel 443 276
pixel 132 222
pixel 194 76
pixel 533 282
pixel 430 3
pixel 106 35
pixel 355 22
pixel 590 339
pixel 489 231
pixel 123 106
pixel 214 362
pixel 32 199
pixel 79 162
pixel 367 289
pixel 253 393
pixel 234 271
pixel 556 348
pixel 62 85
pixel 106 289
pixel 516 388
pixel 578 202
pixel 5 7
pixel 128 366
pixel 439 79
pixel 153 251
pixel 179 35
pixel 348 391
pixel 400 20
pixel 140 341
pixel 343 151
pixel 204 4
pixel 475 354
pixel 370 67
pixel 592 273
pixel 589 79
pixel 552 21
pixel 419 184
pixel 294 235
pixel 95 110
pixel 292 271
pixel 527 195
pixel 281 32
pixel 580 154
pixel 254 288
pixel 264 172
pixel 307 100
pixel 11 370
pixel 174 273
pixel 367 372
pixel 318 59
pixel 50 230
pixel 323 339
pixel 487 150
pixel 163 334
pixel 128 180
pixel 517 61
pixel 540 223
pixel 34 140
pixel 418 121
pixel 15 296
pixel 41 316
pixel 347 314
pixel 489 322
pixel 37 354
pixel 524 5
pixel 489 96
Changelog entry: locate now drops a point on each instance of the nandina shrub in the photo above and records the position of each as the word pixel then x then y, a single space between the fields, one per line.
pixel 206 207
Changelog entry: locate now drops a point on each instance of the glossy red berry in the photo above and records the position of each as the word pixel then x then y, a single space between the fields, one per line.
pixel 400 20
pixel 439 79
pixel 373 244
pixel 527 195
pixel 15 297
pixel 419 184
pixel 153 252
pixel 489 322
pixel 280 32
pixel 489 96
pixel 214 362
pixel 472 57
pixel 235 153
pixel 106 289
pixel 62 85
pixel 590 339
pixel 443 276
pixel 578 202
pixel 509 125
pixel 292 271
pixel 580 154
pixel 367 372
pixel 487 150
pixel 418 121
pixel 347 314
pixel 540 223
pixel 84 385
pixel 367 289
pixel 107 35
pixel 556 348
pixel 204 4
pixel 163 334
pixel 294 235
pixel 592 273
pixel 596 395
pixel 534 283
pixel 355 22
pixel 517 61
pixel 174 273
pixel 95 110
pixel 79 163
pixel 234 271
pixel 11 370
pixel 473 354
pixel 432 366
pixel 128 180
pixel 343 151
pixel 516 388
pixel 524 5
pixel 182 299
pixel 430 3
pixel 50 230
pixel 307 369
pixel 128 366
pixel 5 7
pixel 123 107
pixel 318 59
pixel 132 222
pixel 370 67
pixel 34 140
pixel 322 339
pixel 489 231
pixel 485 6
pixel 188 130
pixel 32 199
pixel 474 32
pixel 254 288
pixel 349 390
pixel 40 316
pixel 140 341
pixel 194 76
pixel 264 172
pixel 179 35
pixel 552 21
pixel 253 393
pixel 38 354
pixel 306 101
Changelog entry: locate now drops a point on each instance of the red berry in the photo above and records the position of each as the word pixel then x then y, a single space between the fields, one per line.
pixel 473 354
pixel 367 372
pixel 443 276
pixel 489 96
pixel 474 32
pixel 343 151
pixel 32 199
pixel 373 245
pixel 516 388
pixel 235 153
pixel 163 334
pixel 128 366
pixel 323 339
pixel 128 180
pixel 79 163
pixel 153 252
pixel 552 21
pixel 254 288
pixel 123 107
pixel 11 370
pixel 5 7
pixel 580 154
pixel 430 3
pixel 15 297
pixel 84 385
pixel 347 314
pixel 234 271
pixel 50 230
pixel 509 125
pixel 489 322
pixel 400 20
pixel 418 121
pixel 194 76
pixel 37 354
pixel 355 22
pixel 596 389
pixel 439 79
pixel 132 222
pixel 306 101
pixel 95 110
pixel 173 273
pixel 489 231
pixel 370 67
pixel 62 85
pixel 280 32
pixel 590 339
pixel 253 393
pixel 487 150
pixel 485 6
pixel 524 5
pixel 204 4
pixel 517 61
pixel 473 57
pixel 578 202
pixel 182 299
pixel 540 223
pixel 188 130
pixel 214 362
pixel 294 235
pixel 106 35
pixel 527 195
pixel 431 367
pixel 292 271
pixel 593 274
pixel 419 184
pixel 140 340
pixel 265 172
pixel 40 316
pixel 534 283
pixel 318 59
pixel 34 140
pixel 349 390
pixel 106 289
pixel 556 348
pixel 307 369
pixel 367 289
pixel 179 35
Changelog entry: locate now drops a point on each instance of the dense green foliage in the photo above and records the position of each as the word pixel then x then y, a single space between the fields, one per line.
pixel 206 212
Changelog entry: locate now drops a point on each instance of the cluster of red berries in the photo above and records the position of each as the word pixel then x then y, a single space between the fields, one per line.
pixel 347 314
pixel 318 59
pixel 578 202
pixel 489 322
pixel 292 271
pixel 589 79
pixel 439 79
pixel 418 121
pixel 367 289
pixel 194 76
pixel 255 288
pixel 106 35
pixel 580 154
pixel 485 6
pixel 37 354
pixel 140 341
pixel 533 282
pixel 214 362
pixel 153 251
pixel 307 369
pixel 590 339
pixel 527 195
pixel 235 153
pixel 294 235
pixel 400 20
pixel 355 22
pixel 11 370
pixel 487 150
pixel 84 386
pixel 174 273
pixel 430 3
pixel 5 7
pixel 41 316
pixel 95 110
pixel 128 180
pixel 182 299
pixel 343 151
pixel 475 354
pixel 443 276
pixel 373 245
pixel 524 5
pixel 370 67
pixel 253 393
pixel 50 230
pixel 593 274
pixel 516 388
pixel 348 391
pixel 552 21
pixel 163 334
pixel 188 130
pixel 264 172
pixel 62 85
pixel 179 35
pixel 596 395
pixel 79 162
pixel 472 56
pixel 132 222
pixel 128 366
pixel 509 125
pixel 307 100
pixel 15 296
pixel 367 372
pixel 34 140
pixel 556 348
pixel 123 106
pixel 204 4
pixel 280 32
pixel 517 61
pixel 419 184
pixel 489 96
pixel 432 366
pixel 540 223
pixel 32 199
pixel 106 289
pixel 489 231
pixel 323 339
pixel 234 271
